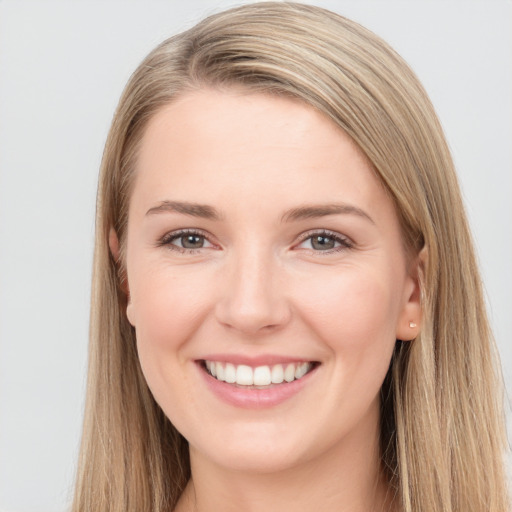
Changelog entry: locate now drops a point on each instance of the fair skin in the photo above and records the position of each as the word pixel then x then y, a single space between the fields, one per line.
pixel 291 255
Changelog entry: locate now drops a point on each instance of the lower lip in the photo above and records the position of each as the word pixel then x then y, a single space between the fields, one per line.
pixel 253 398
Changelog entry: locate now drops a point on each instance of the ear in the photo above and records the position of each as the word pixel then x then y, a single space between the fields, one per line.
pixel 409 321
pixel 113 243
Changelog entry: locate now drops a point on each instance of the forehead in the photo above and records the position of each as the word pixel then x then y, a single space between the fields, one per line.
pixel 215 144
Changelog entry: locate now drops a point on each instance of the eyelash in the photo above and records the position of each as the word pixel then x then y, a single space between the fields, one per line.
pixel 345 243
pixel 167 239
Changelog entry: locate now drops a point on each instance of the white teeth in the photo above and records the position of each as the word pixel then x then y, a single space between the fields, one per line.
pixel 301 370
pixel 289 373
pixel 230 373
pixel 277 374
pixel 262 376
pixel 211 366
pixel 219 369
pixel 244 375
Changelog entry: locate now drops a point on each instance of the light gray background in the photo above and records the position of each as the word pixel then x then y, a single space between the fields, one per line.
pixel 62 68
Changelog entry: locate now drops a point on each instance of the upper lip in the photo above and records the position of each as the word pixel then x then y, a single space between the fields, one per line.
pixel 254 361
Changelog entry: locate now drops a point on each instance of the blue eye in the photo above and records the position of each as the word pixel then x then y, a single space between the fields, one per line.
pixel 185 241
pixel 191 241
pixel 324 241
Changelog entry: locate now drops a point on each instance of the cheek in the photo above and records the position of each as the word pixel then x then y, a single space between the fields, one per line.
pixel 354 318
pixel 168 313
pixel 166 305
pixel 353 310
pixel 168 310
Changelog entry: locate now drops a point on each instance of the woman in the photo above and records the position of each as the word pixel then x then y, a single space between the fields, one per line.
pixel 286 309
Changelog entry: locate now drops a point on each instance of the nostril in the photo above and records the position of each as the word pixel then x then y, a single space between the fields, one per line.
pixel 251 300
pixel 252 322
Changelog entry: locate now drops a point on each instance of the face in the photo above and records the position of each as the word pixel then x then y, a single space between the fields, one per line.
pixel 267 279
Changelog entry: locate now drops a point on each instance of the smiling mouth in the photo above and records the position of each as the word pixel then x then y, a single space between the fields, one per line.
pixel 259 377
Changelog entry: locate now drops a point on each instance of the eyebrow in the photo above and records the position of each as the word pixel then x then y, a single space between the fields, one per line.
pixel 323 210
pixel 295 214
pixel 192 209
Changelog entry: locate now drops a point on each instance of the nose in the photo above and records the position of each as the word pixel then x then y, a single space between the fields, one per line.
pixel 252 295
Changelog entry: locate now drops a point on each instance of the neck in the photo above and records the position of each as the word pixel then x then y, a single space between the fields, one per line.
pixel 347 478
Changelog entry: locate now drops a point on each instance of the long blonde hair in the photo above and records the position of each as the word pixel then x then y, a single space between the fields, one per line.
pixel 442 426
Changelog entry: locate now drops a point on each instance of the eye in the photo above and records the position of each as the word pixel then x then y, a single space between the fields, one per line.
pixel 322 243
pixel 325 241
pixel 185 241
pixel 190 241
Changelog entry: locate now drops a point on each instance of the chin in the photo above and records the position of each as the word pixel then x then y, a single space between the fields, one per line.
pixel 261 447
pixel 256 458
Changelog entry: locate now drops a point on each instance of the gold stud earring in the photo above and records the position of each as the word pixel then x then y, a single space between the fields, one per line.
pixel 412 325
